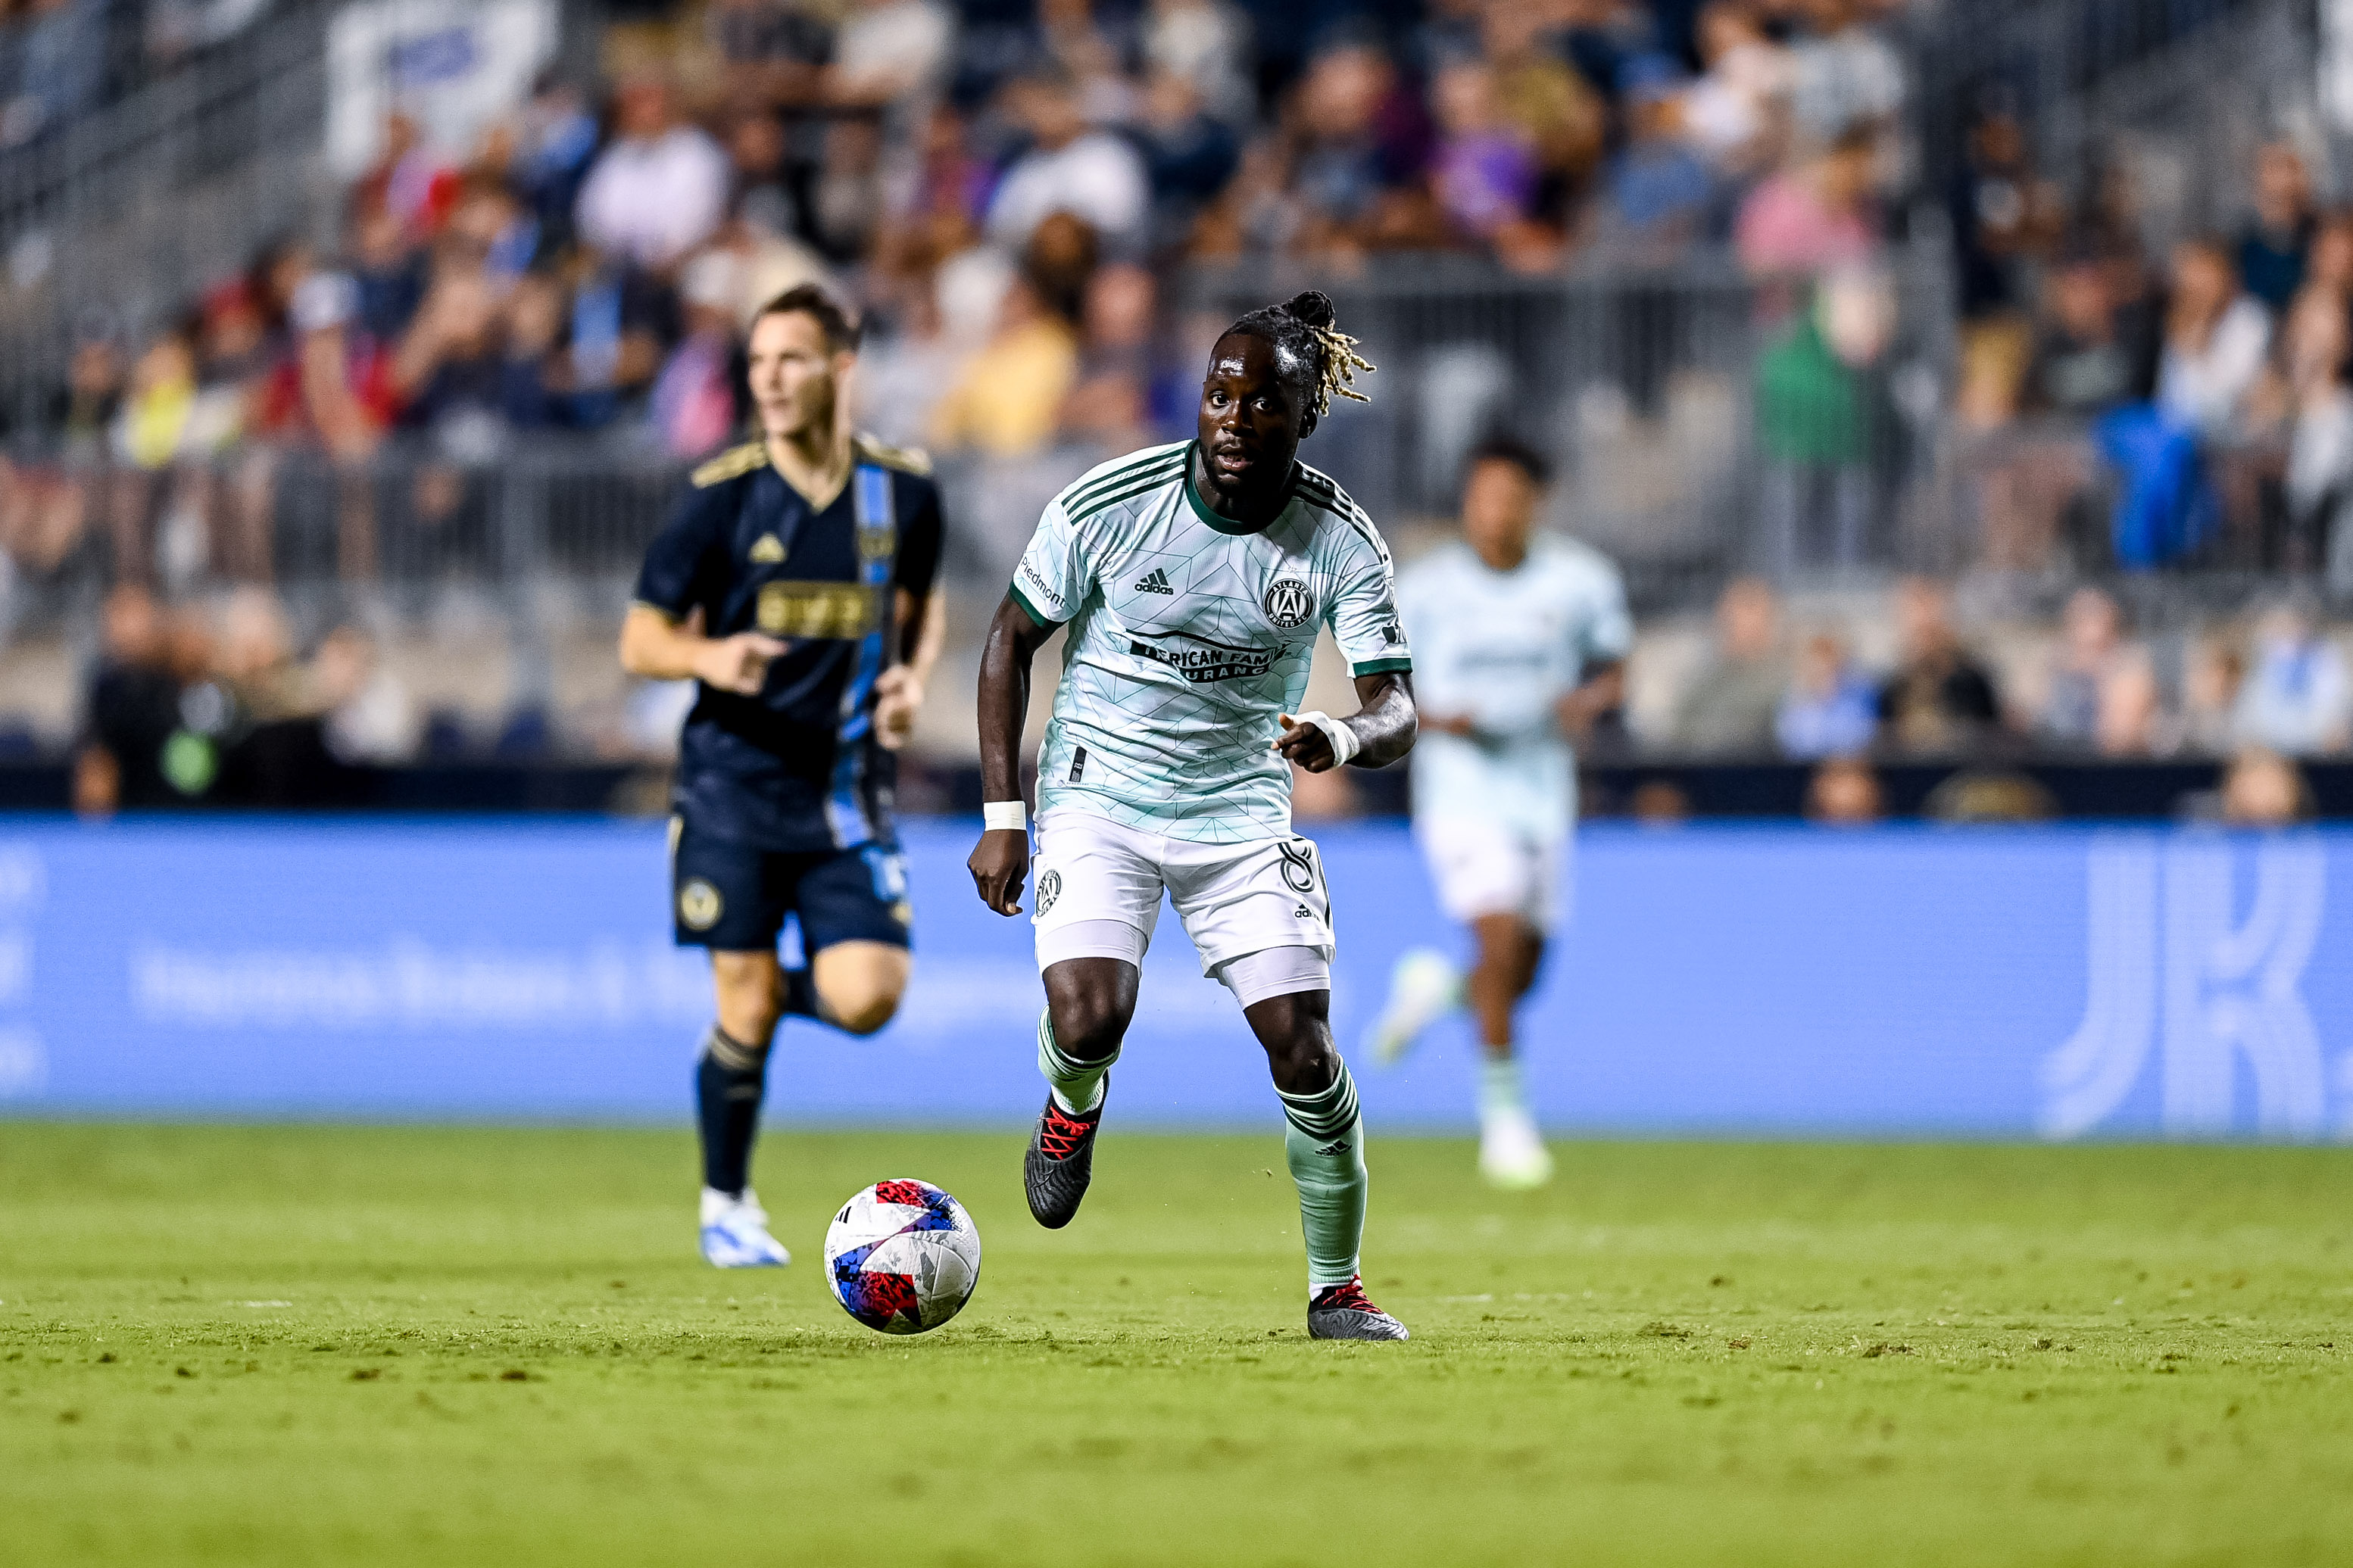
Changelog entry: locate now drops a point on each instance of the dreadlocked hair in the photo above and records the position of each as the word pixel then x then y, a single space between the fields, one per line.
pixel 1306 328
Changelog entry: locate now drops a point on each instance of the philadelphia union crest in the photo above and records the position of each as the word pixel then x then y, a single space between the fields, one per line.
pixel 1289 604
pixel 1050 888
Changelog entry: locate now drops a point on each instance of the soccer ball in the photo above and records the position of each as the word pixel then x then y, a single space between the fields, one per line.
pixel 903 1256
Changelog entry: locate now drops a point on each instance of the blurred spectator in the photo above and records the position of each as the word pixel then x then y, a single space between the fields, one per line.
pixel 770 52
pixel 1564 118
pixel 1938 699
pixel 1659 187
pixel 370 719
pixel 1816 423
pixel 1988 799
pixel 60 54
pixel 390 275
pixel 891 54
pixel 85 408
pixel 1813 217
pixel 1731 705
pixel 1830 708
pixel 2083 364
pixel 1188 152
pixel 2262 789
pixel 613 336
pixel 1844 792
pixel 1484 171
pixel 1206 44
pixel 2216 673
pixel 1658 803
pixel 658 188
pixel 2103 694
pixel 1111 402
pixel 1846 79
pixel 2002 214
pixel 759 189
pixel 130 709
pixel 2297 698
pixel 1735 112
pixel 2215 340
pixel 553 145
pixel 1067 168
pixel 694 405
pixel 2278 233
pixel 1008 400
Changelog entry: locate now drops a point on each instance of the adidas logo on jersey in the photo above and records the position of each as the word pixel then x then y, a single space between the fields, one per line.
pixel 1155 582
pixel 1338 1146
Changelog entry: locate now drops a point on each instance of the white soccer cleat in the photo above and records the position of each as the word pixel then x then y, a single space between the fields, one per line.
pixel 1512 1154
pixel 1423 988
pixel 736 1233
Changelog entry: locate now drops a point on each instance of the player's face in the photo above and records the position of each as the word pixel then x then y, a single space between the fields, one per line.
pixel 1499 509
pixel 1252 421
pixel 794 380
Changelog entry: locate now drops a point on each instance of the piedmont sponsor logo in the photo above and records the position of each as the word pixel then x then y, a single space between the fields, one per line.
pixel 1030 574
pixel 1201 661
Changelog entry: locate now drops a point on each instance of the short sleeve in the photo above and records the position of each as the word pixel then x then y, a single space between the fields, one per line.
pixel 919 543
pixel 1609 629
pixel 675 574
pixel 1364 617
pixel 1055 574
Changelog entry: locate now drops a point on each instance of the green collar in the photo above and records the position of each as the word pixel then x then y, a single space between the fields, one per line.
pixel 1210 515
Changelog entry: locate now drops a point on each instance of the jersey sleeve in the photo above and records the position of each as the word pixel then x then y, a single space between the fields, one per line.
pixel 1608 633
pixel 919 544
pixel 680 564
pixel 1057 572
pixel 1364 615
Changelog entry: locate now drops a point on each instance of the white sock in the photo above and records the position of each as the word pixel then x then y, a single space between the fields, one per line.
pixel 1502 1090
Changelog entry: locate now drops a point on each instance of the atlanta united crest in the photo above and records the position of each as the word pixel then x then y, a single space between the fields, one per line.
pixel 1289 604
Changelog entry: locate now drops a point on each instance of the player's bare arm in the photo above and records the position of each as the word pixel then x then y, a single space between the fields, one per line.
pixel 1384 724
pixel 657 647
pixel 899 691
pixel 1602 690
pixel 1000 862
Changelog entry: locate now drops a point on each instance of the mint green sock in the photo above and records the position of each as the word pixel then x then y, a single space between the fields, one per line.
pixel 1324 1146
pixel 1500 1086
pixel 1077 1085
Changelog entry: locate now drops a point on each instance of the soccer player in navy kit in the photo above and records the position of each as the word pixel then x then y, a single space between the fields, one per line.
pixel 794 584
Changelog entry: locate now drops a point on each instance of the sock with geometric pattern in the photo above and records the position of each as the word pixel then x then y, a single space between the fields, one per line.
pixel 1324 1146
pixel 1077 1085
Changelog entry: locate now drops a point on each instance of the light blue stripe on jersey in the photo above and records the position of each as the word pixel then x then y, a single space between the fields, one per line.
pixel 870 497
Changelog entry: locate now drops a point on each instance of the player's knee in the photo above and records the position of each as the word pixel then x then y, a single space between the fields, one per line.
pixel 862 1010
pixel 750 1004
pixel 1089 1026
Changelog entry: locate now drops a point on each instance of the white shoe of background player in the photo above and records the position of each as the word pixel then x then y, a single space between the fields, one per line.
pixel 736 1233
pixel 1511 1153
pixel 1423 988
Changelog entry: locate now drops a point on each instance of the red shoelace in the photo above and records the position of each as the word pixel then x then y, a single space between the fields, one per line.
pixel 1062 1134
pixel 1350 1296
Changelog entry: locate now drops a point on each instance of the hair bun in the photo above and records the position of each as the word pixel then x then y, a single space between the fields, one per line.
pixel 1312 306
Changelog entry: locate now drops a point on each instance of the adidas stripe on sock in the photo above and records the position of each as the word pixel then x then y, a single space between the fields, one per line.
pixel 1077 1085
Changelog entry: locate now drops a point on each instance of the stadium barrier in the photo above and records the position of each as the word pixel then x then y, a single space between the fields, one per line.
pixel 1992 983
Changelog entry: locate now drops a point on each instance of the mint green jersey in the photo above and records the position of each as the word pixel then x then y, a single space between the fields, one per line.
pixel 1188 635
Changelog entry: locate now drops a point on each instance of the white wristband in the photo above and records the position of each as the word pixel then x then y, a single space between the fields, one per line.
pixel 1004 816
pixel 1344 743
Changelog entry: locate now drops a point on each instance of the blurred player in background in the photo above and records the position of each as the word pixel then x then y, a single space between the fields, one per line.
pixel 794 583
pixel 1521 643
pixel 1194 579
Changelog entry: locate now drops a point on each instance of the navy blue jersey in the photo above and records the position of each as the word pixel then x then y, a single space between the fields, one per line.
pixel 796 767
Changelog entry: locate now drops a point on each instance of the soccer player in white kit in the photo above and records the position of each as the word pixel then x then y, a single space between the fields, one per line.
pixel 1194 579
pixel 1520 644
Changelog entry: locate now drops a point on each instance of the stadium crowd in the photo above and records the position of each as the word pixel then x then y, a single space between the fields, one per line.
pixel 1007 202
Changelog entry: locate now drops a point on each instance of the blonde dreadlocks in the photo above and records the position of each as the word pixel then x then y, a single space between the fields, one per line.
pixel 1306 328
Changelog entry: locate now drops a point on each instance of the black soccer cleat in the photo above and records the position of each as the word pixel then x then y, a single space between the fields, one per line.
pixel 1062 1161
pixel 1345 1312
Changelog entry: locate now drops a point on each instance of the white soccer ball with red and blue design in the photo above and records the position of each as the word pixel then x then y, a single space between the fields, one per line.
pixel 903 1256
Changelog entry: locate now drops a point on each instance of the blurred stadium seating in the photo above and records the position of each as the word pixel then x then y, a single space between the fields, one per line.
pixel 371 340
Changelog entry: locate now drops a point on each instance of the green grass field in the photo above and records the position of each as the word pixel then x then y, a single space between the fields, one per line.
pixel 315 1345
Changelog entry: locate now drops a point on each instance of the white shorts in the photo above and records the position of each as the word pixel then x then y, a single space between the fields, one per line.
pixel 1485 869
pixel 1093 876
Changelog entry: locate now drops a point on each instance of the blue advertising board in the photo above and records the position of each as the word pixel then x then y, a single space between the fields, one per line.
pixel 2051 982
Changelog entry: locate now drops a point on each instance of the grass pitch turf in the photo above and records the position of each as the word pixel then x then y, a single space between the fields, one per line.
pixel 309 1345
